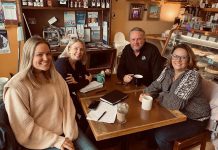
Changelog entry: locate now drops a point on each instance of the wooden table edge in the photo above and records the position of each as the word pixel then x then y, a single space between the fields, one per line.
pixel 180 117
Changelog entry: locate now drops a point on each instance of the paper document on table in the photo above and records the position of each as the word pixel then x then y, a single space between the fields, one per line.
pixel 91 86
pixel 104 113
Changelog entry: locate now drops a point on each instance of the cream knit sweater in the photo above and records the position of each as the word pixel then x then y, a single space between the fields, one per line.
pixel 39 116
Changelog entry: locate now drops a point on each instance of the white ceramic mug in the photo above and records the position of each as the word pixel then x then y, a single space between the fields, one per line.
pixel 147 102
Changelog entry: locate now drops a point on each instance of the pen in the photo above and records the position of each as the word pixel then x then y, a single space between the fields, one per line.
pixel 102 115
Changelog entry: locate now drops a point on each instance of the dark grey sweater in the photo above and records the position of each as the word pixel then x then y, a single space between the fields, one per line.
pixel 183 94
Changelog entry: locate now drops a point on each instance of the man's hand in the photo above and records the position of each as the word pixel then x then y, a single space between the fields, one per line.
pixel 128 78
pixel 70 79
pixel 88 77
pixel 68 144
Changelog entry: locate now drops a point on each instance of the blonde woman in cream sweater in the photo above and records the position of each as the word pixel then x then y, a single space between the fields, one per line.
pixel 37 100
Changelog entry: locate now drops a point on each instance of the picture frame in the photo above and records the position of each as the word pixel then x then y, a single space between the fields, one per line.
pixel 136 11
pixel 154 11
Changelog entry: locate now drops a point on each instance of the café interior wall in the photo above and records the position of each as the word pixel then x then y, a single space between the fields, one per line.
pixel 120 20
pixel 119 23
pixel 8 62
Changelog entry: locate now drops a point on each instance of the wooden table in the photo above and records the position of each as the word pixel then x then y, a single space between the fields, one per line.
pixel 111 83
pixel 137 119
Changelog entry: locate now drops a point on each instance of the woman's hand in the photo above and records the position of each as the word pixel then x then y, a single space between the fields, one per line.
pixel 68 144
pixel 128 78
pixel 89 77
pixel 70 79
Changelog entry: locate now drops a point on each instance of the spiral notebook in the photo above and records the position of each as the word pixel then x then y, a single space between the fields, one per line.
pixel 114 97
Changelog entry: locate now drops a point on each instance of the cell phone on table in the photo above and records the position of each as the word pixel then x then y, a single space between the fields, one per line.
pixel 94 105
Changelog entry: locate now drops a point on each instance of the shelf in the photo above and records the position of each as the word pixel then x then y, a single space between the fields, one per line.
pixel 198 42
pixel 199 31
pixel 179 36
pixel 63 8
pixel 210 9
pixel 209 61
pixel 155 37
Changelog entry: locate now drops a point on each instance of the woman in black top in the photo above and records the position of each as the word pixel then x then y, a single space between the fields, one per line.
pixel 71 65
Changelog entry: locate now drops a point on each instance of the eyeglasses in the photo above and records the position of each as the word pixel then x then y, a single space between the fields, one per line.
pixel 176 57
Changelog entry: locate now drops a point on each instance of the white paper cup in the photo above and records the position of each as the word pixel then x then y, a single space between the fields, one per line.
pixel 122 110
pixel 121 117
pixel 147 102
pixel 3 81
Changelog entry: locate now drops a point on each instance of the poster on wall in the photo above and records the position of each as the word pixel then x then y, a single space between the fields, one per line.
pixel 4 44
pixel 154 11
pixel 69 19
pixel 2 18
pixel 10 12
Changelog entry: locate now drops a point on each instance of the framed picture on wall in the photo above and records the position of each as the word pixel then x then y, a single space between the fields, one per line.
pixel 136 11
pixel 154 11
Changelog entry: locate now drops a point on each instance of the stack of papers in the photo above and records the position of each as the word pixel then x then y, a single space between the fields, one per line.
pixel 104 113
pixel 91 86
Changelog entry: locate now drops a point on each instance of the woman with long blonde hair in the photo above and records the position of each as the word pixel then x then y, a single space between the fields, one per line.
pixel 71 65
pixel 39 107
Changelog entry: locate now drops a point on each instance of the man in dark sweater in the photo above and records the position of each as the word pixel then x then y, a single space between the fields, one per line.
pixel 140 57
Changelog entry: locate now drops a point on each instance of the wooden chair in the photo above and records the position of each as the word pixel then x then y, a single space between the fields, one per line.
pixel 210 92
pixel 199 139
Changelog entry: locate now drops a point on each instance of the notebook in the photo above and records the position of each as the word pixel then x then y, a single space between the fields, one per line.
pixel 114 97
pixel 91 86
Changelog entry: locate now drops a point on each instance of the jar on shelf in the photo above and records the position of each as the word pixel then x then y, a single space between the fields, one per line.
pixel 49 3
pixel 24 2
pixel 214 27
pixel 30 2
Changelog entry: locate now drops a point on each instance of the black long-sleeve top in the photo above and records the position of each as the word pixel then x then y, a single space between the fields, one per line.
pixel 148 63
pixel 63 67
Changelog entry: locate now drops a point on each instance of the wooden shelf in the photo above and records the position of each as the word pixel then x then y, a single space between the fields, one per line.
pixel 210 9
pixel 199 31
pixel 63 8
pixel 155 37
